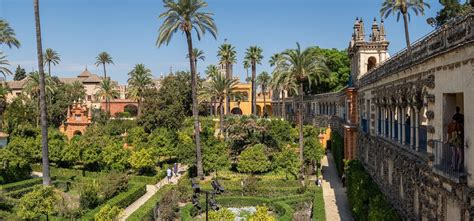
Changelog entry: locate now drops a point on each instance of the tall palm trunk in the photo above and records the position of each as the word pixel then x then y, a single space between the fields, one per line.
pixel 200 171
pixel 105 72
pixel 49 68
pixel 254 89
pixel 283 108
pixel 221 116
pixel 407 34
pixel 227 99
pixel 139 106
pixel 264 101
pixel 44 123
pixel 300 125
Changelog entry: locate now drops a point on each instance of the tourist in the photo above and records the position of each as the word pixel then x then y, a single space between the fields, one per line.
pixel 455 142
pixel 343 180
pixel 458 117
pixel 169 173
pixel 175 167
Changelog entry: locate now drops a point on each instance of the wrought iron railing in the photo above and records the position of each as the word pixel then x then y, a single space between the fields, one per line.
pixel 365 126
pixel 449 160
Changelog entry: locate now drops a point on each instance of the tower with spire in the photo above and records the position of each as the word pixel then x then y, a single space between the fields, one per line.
pixel 367 54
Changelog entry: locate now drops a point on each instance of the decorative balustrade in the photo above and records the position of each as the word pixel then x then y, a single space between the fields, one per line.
pixel 449 161
pixel 436 42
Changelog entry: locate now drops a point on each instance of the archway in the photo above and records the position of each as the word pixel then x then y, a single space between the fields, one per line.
pixel 77 133
pixel 259 110
pixel 371 63
pixel 236 111
pixel 131 109
pixel 268 110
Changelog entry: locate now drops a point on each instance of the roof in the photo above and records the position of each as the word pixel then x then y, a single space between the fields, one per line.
pixel 85 74
pixel 18 85
pixel 92 79
pixel 69 80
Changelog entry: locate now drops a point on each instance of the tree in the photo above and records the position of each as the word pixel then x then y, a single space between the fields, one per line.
pixel 198 55
pixel 162 140
pixel 106 90
pixel 301 66
pixel 253 160
pixel 41 201
pixel 186 16
pixel 281 81
pixel 401 7
pixel 4 90
pixel 51 57
pixel 246 65
pixel 216 155
pixel 254 56
pixel 33 88
pixel 114 156
pixel 20 74
pixel 44 112
pixel 143 160
pixel 219 87
pixel 109 213
pixel 3 63
pixel 263 80
pixel 139 80
pixel 7 35
pixel 227 57
pixel 451 9
pixel 314 151
pixel 262 215
pixel 287 161
pixel 102 59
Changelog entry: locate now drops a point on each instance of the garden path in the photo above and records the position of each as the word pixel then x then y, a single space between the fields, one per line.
pixel 150 191
pixel 335 199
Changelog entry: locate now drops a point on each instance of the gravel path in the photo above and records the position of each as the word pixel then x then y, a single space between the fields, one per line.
pixel 150 191
pixel 335 199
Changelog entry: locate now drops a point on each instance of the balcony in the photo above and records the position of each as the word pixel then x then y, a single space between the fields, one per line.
pixel 449 162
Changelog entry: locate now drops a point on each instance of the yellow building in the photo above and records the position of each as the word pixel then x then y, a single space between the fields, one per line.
pixel 241 104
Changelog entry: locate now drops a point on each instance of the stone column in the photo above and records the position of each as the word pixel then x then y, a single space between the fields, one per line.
pixel 412 128
pixel 392 123
pixel 376 120
pixel 417 129
pixel 399 117
pixel 403 126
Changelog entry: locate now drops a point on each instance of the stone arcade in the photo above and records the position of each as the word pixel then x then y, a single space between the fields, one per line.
pixel 396 113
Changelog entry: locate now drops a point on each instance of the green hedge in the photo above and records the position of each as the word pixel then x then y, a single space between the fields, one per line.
pixel 150 180
pixel 20 185
pixel 337 149
pixel 319 213
pixel 365 198
pixel 122 200
pixel 145 212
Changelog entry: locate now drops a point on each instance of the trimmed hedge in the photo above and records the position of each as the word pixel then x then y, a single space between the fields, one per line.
pixel 150 180
pixel 319 213
pixel 122 200
pixel 20 185
pixel 337 149
pixel 145 212
pixel 365 198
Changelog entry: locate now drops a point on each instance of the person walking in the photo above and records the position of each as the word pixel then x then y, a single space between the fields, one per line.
pixel 169 174
pixel 176 169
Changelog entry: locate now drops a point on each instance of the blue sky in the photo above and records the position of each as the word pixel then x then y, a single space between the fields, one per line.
pixel 127 29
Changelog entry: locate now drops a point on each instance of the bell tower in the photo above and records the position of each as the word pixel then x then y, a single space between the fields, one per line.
pixel 366 54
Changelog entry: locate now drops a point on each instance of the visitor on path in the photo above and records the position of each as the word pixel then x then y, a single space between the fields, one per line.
pixel 176 169
pixel 169 174
pixel 343 180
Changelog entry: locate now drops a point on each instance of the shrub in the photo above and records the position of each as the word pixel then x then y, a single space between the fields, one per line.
pixel 318 213
pixel 253 160
pixel 366 200
pixel 88 196
pixel 221 215
pixel 168 205
pixel 145 212
pixel 40 201
pixel 109 213
pixel 261 215
pixel 112 184
pixel 337 149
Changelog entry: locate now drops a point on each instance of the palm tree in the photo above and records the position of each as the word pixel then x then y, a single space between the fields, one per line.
pixel 401 7
pixel 227 57
pixel 198 55
pixel 263 80
pixel 107 90
pixel 282 83
pixel 139 80
pixel 211 70
pixel 7 35
pixel 33 89
pixel 51 56
pixel 301 67
pixel 275 84
pixel 186 16
pixel 219 87
pixel 274 59
pixel 246 66
pixel 3 63
pixel 44 123
pixel 102 59
pixel 254 56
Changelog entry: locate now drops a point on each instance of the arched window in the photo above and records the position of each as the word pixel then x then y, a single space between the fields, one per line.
pixel 371 63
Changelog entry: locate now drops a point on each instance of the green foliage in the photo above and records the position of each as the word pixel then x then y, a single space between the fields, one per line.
pixel 145 212
pixel 162 140
pixel 287 161
pixel 337 149
pixel 253 160
pixel 20 185
pixel 366 200
pixel 109 213
pixel 261 215
pixel 88 197
pixel 313 150
pixel 168 106
pixel 14 167
pixel 40 201
pixel 115 157
pixel 451 9
pixel 143 160
pixel 221 215
pixel 215 155
pixel 20 74
pixel 278 131
pixel 112 184
pixel 243 131
pixel 338 63
pixel 137 137
pixel 319 213
pixel 168 205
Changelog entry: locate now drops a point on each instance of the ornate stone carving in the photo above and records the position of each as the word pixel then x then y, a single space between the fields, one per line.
pixel 430 129
pixel 430 98
pixel 430 115
pixel 430 81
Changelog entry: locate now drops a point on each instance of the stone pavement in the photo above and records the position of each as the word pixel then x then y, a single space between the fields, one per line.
pixel 335 199
pixel 150 191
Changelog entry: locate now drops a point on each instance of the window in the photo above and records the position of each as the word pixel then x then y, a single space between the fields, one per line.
pixel 89 97
pixel 371 63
